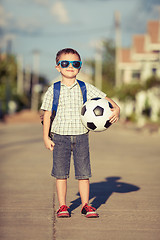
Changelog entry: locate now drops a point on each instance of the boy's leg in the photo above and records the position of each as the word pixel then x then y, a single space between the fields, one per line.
pixel 88 211
pixel 81 157
pixel 84 190
pixel 61 165
pixel 61 185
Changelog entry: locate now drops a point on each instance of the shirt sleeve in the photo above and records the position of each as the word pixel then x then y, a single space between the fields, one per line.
pixel 48 100
pixel 93 92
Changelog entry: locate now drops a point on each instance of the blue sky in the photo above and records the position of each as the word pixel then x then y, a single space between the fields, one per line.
pixel 50 25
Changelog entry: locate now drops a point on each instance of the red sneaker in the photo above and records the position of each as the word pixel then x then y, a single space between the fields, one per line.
pixel 63 212
pixel 89 212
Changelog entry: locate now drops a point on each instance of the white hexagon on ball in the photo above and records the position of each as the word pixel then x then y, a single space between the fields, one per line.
pixel 95 114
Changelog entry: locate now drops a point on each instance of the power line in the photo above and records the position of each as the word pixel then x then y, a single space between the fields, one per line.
pixel 58 34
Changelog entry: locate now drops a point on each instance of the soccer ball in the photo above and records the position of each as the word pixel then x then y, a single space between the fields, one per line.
pixel 95 114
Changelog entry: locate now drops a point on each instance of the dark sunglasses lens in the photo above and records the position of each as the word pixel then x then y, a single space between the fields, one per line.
pixel 76 64
pixel 64 64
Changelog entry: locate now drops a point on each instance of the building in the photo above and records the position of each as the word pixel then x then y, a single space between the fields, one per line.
pixel 142 59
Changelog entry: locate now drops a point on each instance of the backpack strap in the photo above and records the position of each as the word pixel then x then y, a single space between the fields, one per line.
pixel 83 90
pixel 56 93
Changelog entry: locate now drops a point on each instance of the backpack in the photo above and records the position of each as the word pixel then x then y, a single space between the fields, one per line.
pixel 56 90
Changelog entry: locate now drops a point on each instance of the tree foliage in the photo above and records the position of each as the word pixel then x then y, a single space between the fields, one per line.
pixel 8 73
pixel 129 91
pixel 8 84
pixel 108 65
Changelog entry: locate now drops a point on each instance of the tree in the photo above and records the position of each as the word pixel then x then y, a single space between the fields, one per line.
pixel 108 65
pixel 8 73
pixel 109 62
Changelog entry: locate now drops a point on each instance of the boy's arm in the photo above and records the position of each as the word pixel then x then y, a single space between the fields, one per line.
pixel 116 111
pixel 46 125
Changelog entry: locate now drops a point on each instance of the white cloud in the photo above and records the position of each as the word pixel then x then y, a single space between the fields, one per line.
pixel 4 17
pixel 28 25
pixel 156 9
pixel 11 25
pixel 42 2
pixel 59 11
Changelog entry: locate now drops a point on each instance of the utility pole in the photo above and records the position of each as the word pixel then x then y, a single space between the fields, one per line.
pixel 8 77
pixel 35 81
pixel 118 46
pixel 27 83
pixel 9 47
pixel 98 66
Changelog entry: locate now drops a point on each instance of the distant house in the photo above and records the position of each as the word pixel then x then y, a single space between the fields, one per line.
pixel 142 59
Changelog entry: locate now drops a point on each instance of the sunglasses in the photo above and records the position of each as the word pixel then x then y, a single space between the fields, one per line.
pixel 65 64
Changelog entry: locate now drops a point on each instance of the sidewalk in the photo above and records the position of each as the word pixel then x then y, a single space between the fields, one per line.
pixel 124 187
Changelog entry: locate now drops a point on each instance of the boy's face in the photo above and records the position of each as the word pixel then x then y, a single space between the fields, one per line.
pixel 70 72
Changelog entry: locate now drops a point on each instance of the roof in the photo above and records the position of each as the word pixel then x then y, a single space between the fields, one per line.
pixel 139 43
pixel 126 55
pixel 153 29
pixel 138 46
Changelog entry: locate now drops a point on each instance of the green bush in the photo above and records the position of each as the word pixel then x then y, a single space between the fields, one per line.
pixel 128 91
pixel 153 81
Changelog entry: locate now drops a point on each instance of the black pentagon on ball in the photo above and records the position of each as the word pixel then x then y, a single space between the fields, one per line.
pixel 91 125
pixel 96 98
pixel 107 124
pixel 83 110
pixel 110 105
pixel 98 111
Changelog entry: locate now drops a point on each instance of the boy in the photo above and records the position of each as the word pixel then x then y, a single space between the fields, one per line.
pixel 68 133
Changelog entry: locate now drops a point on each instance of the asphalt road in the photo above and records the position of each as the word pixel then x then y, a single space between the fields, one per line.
pixel 124 187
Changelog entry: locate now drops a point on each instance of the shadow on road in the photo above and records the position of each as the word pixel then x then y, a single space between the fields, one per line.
pixel 101 191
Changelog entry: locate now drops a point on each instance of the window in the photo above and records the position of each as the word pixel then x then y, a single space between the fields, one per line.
pixel 136 74
pixel 154 71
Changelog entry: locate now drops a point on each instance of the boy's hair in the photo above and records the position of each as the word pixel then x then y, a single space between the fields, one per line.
pixel 66 51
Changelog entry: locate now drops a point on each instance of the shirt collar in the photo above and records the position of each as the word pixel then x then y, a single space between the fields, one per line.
pixel 74 84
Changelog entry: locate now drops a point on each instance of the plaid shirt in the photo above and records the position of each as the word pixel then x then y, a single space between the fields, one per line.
pixel 67 120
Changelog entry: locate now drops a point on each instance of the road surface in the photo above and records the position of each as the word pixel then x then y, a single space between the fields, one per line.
pixel 124 187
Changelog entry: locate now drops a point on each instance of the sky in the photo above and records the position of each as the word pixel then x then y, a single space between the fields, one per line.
pixel 46 26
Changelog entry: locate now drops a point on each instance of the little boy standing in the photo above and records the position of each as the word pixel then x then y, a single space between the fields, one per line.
pixel 68 133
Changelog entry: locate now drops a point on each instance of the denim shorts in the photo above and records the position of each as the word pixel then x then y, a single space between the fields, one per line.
pixel 64 146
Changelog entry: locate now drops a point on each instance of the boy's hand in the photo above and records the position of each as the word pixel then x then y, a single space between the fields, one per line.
pixel 115 116
pixel 49 144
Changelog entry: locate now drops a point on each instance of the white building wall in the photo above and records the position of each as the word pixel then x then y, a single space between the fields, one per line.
pixel 146 71
pixel 127 76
